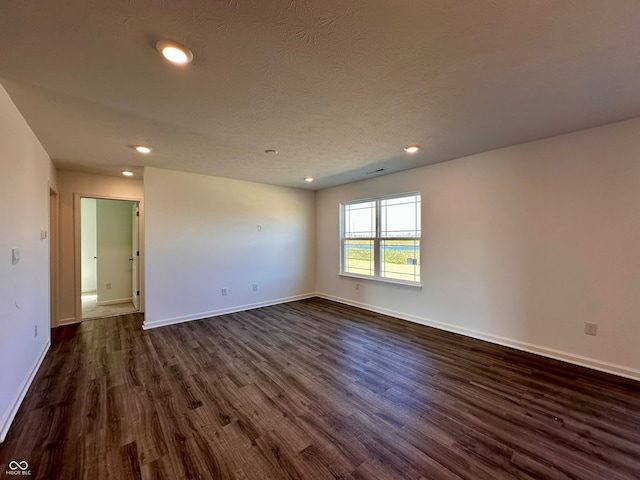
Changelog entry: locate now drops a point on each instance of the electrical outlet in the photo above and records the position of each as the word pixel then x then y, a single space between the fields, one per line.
pixel 224 291
pixel 108 287
pixel 259 228
pixel 255 287
pixel 590 328
pixel 35 330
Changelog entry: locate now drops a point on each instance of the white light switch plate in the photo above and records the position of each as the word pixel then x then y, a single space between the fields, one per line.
pixel 15 255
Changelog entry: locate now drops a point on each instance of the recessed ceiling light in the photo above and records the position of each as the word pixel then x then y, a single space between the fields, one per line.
pixel 308 179
pixel 412 148
pixel 174 52
pixel 142 149
pixel 270 151
pixel 127 173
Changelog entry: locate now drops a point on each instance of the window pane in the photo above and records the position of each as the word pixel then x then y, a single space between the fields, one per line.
pixel 360 220
pixel 400 259
pixel 381 238
pixel 358 257
pixel 400 217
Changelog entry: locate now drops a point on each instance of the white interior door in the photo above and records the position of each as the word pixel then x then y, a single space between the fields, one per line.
pixel 89 245
pixel 135 257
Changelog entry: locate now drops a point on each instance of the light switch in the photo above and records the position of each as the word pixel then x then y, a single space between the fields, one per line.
pixel 15 255
pixel 43 233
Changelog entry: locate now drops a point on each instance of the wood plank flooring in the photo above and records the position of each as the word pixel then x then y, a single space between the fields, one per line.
pixel 315 390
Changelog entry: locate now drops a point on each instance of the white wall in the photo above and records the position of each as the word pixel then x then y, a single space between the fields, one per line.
pixel 114 244
pixel 202 236
pixel 85 184
pixel 89 252
pixel 520 246
pixel 27 174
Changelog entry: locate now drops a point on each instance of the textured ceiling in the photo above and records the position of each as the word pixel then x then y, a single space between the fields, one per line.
pixel 338 87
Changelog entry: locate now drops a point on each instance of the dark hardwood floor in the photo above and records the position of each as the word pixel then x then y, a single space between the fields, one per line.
pixel 315 390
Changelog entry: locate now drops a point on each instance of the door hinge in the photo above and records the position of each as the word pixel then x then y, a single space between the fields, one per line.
pixel 138 293
pixel 138 253
pixel 137 213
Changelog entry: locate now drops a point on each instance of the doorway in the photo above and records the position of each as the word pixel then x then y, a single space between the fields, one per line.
pixel 109 257
pixel 53 256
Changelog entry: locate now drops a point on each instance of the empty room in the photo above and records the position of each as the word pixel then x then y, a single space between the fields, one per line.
pixel 320 240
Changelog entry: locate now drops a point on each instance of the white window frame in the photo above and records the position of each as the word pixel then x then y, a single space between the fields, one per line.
pixel 376 239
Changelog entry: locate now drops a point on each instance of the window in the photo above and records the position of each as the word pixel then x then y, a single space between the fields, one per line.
pixel 380 238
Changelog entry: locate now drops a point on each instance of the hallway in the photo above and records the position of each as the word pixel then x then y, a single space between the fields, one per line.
pixel 91 310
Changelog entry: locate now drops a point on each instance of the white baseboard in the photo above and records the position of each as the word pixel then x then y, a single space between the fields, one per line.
pixel 7 419
pixel 223 311
pixel 594 364
pixel 114 302
pixel 67 321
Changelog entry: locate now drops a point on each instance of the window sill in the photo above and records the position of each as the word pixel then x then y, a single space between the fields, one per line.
pixel 382 280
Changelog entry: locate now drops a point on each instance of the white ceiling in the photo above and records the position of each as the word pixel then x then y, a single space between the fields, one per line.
pixel 338 87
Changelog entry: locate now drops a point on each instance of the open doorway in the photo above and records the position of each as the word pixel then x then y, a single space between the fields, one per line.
pixel 53 256
pixel 109 256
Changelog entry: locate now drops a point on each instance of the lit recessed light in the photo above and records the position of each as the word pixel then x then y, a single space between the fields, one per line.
pixel 142 149
pixel 174 52
pixel 127 173
pixel 412 148
pixel 308 179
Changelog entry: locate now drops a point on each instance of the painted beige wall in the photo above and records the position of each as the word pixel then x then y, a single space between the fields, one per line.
pixel 86 185
pixel 202 236
pixel 27 175
pixel 114 244
pixel 520 246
